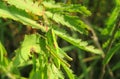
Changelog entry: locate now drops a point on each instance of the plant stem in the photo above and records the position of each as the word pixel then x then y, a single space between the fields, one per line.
pixel 110 45
pixel 113 35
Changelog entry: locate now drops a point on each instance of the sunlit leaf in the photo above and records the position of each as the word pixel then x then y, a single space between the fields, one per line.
pixel 69 21
pixel 52 43
pixel 3 56
pixel 27 5
pixel 67 8
pixel 18 15
pixel 54 72
pixel 29 45
pixel 68 71
pixel 77 42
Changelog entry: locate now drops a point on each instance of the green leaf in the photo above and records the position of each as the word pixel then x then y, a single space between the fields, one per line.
pixel 111 53
pixel 35 75
pixel 18 15
pixel 57 53
pixel 52 43
pixel 83 66
pixel 72 22
pixel 92 65
pixel 117 35
pixel 3 54
pixel 67 8
pixel 62 54
pixel 79 43
pixel 117 3
pixel 54 72
pixel 52 5
pixel 116 66
pixel 41 70
pixel 27 5
pixel 77 8
pixel 112 19
pixel 29 45
pixel 68 71
pixel 56 56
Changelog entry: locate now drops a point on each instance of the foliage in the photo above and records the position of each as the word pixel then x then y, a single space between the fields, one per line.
pixel 31 46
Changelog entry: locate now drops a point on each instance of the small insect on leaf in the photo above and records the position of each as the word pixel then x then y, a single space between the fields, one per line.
pixel 33 52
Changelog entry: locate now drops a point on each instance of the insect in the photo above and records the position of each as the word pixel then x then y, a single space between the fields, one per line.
pixel 33 52
pixel 39 1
